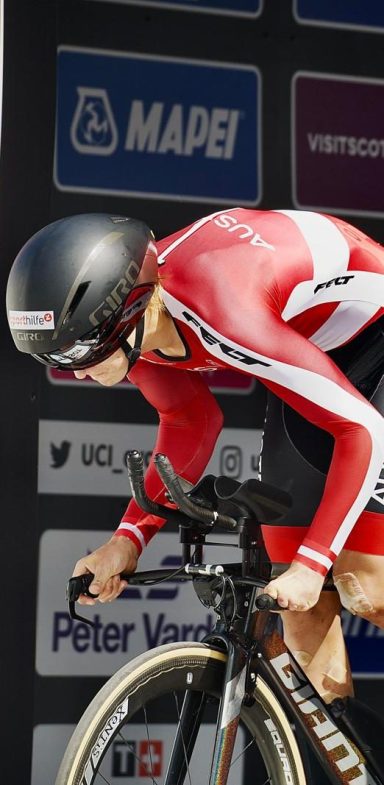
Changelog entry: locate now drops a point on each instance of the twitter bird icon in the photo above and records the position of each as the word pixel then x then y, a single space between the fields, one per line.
pixel 59 454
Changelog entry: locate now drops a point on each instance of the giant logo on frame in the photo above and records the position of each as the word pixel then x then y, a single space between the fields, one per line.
pixel 338 152
pixel 157 126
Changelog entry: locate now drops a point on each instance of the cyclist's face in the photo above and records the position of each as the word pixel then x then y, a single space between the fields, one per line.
pixel 109 372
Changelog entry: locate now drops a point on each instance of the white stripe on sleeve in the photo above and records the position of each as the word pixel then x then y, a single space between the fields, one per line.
pixel 135 530
pixel 315 556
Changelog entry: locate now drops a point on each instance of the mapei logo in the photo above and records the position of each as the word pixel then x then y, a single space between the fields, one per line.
pixel 93 128
pixel 153 128
pixel 159 128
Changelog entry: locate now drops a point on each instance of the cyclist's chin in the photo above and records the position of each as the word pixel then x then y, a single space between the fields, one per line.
pixel 105 380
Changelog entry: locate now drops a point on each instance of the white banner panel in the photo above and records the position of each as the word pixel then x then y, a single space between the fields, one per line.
pixel 124 764
pixel 144 617
pixel 88 458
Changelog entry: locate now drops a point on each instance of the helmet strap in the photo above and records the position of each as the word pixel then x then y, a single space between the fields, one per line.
pixel 132 353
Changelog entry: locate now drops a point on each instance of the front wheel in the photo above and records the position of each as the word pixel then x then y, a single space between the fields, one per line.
pixel 128 732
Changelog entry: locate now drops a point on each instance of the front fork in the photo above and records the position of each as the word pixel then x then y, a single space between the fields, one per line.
pixel 227 723
pixel 229 714
pixel 236 686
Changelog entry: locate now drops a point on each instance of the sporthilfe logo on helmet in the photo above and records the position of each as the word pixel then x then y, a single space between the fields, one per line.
pixel 38 320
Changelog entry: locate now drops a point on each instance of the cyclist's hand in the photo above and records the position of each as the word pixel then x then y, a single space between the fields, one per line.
pixel 109 372
pixel 297 589
pixel 106 563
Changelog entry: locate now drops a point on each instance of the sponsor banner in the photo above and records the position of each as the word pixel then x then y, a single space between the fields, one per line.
pixel 89 458
pixel 217 381
pixel 365 645
pixel 368 15
pixel 142 618
pixel 129 754
pixel 130 124
pixel 231 7
pixel 338 152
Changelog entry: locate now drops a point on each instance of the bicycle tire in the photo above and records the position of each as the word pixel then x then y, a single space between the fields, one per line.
pixel 156 675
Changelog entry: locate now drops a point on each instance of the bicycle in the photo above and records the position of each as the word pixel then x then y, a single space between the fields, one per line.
pixel 240 687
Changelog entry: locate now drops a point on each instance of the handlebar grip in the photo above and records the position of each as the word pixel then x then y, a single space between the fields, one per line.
pixel 264 602
pixel 135 466
pixel 80 585
pixel 184 502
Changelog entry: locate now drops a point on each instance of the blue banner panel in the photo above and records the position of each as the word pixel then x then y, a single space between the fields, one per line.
pixel 233 7
pixel 365 644
pixel 367 15
pixel 158 127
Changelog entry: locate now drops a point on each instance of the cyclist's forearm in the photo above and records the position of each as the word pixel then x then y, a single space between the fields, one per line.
pixel 188 437
pixel 355 467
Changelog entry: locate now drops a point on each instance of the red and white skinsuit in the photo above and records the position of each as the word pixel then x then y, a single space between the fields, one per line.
pixel 267 294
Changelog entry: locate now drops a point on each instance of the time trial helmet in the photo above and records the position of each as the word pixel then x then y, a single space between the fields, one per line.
pixel 78 288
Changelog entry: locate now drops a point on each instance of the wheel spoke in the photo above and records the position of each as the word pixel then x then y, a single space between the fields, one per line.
pixel 159 729
pixel 137 757
pixel 182 737
pixel 243 751
pixel 148 769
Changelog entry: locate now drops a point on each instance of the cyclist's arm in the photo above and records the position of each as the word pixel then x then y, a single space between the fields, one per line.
pixel 190 422
pixel 307 379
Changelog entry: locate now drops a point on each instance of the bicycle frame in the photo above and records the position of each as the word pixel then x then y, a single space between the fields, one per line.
pixel 342 761
pixel 254 647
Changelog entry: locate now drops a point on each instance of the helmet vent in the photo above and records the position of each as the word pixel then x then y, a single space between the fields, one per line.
pixel 76 299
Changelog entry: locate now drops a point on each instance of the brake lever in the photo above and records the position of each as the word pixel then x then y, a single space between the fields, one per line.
pixel 75 587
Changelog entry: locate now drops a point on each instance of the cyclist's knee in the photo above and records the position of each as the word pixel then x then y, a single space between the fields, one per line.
pixel 362 595
pixel 359 579
pixel 353 595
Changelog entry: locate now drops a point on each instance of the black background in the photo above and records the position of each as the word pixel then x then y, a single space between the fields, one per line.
pixel 279 47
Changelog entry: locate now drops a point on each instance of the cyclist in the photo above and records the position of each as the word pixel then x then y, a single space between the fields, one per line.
pixel 293 298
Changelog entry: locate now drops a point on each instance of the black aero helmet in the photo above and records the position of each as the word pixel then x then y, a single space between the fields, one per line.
pixel 78 288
